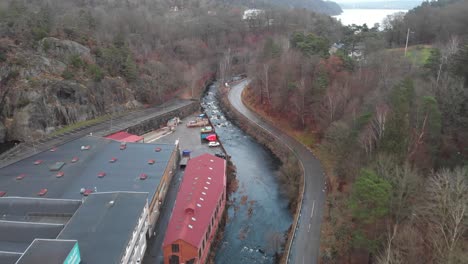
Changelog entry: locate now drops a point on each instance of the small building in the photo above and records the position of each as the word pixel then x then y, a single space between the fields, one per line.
pixel 51 251
pixel 198 209
pixel 110 227
pixel 106 227
pixel 125 137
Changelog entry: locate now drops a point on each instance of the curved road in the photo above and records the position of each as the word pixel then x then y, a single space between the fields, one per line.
pixel 305 248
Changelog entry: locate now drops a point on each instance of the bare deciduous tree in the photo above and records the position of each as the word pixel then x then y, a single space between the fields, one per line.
pixel 445 211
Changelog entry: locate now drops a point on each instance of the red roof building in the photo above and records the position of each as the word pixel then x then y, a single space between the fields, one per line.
pixel 198 209
pixel 125 137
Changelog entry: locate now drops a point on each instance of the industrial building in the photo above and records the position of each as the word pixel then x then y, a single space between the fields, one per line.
pixel 198 209
pixel 92 164
pixel 105 228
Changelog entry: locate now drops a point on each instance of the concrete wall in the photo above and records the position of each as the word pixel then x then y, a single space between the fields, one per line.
pixel 161 121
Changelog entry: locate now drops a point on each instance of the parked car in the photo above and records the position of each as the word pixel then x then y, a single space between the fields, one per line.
pixel 59 174
pixel 221 155
pixel 213 144
pixel 101 174
pixel 75 159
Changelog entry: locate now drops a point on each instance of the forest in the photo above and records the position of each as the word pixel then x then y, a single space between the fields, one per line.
pixel 75 55
pixel 390 125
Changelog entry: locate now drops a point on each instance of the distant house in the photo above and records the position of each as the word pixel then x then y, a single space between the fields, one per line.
pixel 335 47
pixel 252 14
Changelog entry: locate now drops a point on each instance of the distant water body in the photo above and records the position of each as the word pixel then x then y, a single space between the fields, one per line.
pixel 367 16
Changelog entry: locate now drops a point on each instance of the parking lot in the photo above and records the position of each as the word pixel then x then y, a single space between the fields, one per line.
pixel 189 138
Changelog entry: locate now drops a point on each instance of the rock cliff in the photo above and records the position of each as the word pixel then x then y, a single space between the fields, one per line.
pixel 36 98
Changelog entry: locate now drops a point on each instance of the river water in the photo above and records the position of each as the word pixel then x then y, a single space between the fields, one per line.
pixel 258 216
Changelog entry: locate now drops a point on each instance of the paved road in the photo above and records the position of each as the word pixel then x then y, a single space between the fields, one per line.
pixel 305 249
pixel 107 127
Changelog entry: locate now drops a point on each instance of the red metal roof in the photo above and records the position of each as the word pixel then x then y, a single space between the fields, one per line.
pixel 125 137
pixel 203 184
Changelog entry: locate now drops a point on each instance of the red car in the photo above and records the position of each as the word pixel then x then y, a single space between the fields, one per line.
pixel 2 194
pixel 157 149
pixel 101 174
pixel 75 159
pixel 143 176
pixel 151 161
pixel 123 146
pixel 37 162
pixel 87 192
pixel 53 149
pixel 112 160
pixel 42 192
pixel 20 177
pixel 59 174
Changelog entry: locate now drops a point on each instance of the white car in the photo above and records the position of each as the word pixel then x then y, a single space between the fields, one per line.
pixel 213 144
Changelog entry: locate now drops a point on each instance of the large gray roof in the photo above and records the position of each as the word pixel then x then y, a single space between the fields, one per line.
pixel 9 257
pixel 122 175
pixel 17 236
pixel 37 209
pixel 24 219
pixel 103 229
pixel 50 251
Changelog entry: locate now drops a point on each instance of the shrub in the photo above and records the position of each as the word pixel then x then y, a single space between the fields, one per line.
pixel 96 72
pixel 67 75
pixel 76 61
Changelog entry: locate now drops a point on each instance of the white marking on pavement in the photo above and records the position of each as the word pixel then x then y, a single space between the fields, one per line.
pixel 313 207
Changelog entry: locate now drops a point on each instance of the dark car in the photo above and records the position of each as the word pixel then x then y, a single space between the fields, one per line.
pixel 221 155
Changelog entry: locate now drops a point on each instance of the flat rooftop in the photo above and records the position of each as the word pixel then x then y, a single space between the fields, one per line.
pixel 49 251
pixel 25 179
pixel 104 225
pixel 22 220
pixel 26 209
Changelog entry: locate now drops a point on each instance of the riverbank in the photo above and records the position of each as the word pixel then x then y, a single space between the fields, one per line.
pixel 286 156
pixel 308 139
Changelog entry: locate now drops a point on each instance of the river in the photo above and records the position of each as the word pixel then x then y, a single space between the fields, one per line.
pixel 258 216
pixel 367 16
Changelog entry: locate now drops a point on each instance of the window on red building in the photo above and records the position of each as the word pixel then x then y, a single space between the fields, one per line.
pixel 174 259
pixel 175 248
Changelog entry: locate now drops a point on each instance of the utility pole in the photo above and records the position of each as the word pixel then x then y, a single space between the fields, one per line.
pixel 407 38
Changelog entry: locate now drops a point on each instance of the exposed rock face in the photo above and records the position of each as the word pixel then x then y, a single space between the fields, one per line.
pixel 62 50
pixel 39 100
pixel 2 133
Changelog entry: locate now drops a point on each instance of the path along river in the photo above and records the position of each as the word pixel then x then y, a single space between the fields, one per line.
pixel 258 216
